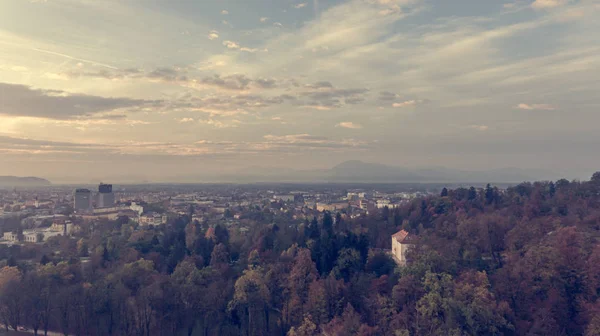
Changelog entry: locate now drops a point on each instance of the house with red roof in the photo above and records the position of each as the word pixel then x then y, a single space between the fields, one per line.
pixel 402 241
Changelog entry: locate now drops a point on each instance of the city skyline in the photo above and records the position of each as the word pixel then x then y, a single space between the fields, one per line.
pixel 93 90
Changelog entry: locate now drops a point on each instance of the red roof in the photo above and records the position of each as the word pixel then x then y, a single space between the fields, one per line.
pixel 400 236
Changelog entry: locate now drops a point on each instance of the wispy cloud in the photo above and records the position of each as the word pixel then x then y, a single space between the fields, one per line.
pixel 300 5
pixel 408 103
pixel 544 107
pixel 349 124
pixel 213 35
pixel 231 44
pixel 21 100
pixel 480 128
pixel 545 4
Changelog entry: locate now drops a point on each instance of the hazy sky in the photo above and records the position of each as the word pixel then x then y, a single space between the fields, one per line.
pixel 93 89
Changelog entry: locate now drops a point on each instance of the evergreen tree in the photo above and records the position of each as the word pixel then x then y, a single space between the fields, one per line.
pixel 444 192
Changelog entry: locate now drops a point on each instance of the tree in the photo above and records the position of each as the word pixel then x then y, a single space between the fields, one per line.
pixel 472 195
pixel 327 223
pixel 347 324
pixel 219 256
pixel 82 248
pixel 221 235
pixel 250 302
pixel 444 192
pixel 307 328
pixel 490 194
pixel 348 264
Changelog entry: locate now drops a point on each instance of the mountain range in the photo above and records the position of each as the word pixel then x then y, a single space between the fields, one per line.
pixel 356 171
pixel 15 181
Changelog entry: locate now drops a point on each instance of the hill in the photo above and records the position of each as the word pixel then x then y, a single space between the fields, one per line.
pixel 15 181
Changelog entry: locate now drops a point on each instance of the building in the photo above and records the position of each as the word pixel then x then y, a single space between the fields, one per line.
pixel 82 200
pixel 112 213
pixel 402 241
pixel 332 206
pixel 284 198
pixel 152 219
pixel 385 203
pixel 137 208
pixel 40 235
pixel 106 197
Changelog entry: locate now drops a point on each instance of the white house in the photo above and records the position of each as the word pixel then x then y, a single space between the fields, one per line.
pixel 402 241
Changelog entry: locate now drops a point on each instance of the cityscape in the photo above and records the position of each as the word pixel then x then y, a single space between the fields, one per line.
pixel 299 168
pixel 47 212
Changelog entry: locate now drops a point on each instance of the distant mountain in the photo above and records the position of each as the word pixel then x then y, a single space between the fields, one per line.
pixel 370 172
pixel 365 172
pixel 14 181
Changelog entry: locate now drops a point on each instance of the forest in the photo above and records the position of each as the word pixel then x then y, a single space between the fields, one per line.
pixel 518 261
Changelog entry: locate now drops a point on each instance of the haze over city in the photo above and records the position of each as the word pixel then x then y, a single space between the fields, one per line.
pixel 185 90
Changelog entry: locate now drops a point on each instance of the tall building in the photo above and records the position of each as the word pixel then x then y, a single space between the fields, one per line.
pixel 106 197
pixel 82 200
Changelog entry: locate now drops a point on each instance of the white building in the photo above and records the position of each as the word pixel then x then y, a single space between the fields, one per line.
pixel 137 208
pixel 402 241
pixel 152 219
pixel 384 203
pixel 40 235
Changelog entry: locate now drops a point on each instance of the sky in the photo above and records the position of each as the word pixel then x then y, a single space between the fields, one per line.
pixel 164 90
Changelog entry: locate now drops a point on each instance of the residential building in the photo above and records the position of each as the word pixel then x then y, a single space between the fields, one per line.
pixel 402 241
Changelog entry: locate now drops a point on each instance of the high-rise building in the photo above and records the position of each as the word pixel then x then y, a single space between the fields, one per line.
pixel 106 197
pixel 82 200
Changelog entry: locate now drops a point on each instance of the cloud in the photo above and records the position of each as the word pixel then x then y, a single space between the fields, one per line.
pixel 232 82
pixel 110 74
pixel 185 120
pixel 481 128
pixel 231 44
pixel 213 35
pixel 349 124
pixel 224 12
pixel 236 46
pixel 545 4
pixel 386 95
pixel 388 7
pixel 324 96
pixel 21 100
pixel 408 103
pixel 266 83
pixel 277 24
pixel 320 85
pixel 219 124
pixel 544 107
pixel 168 74
pixel 264 19
pixel 300 5
pixel 308 141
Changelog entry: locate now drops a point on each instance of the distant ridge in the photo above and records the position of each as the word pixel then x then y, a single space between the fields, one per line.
pixel 29 181
pixel 356 170
pixel 365 172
